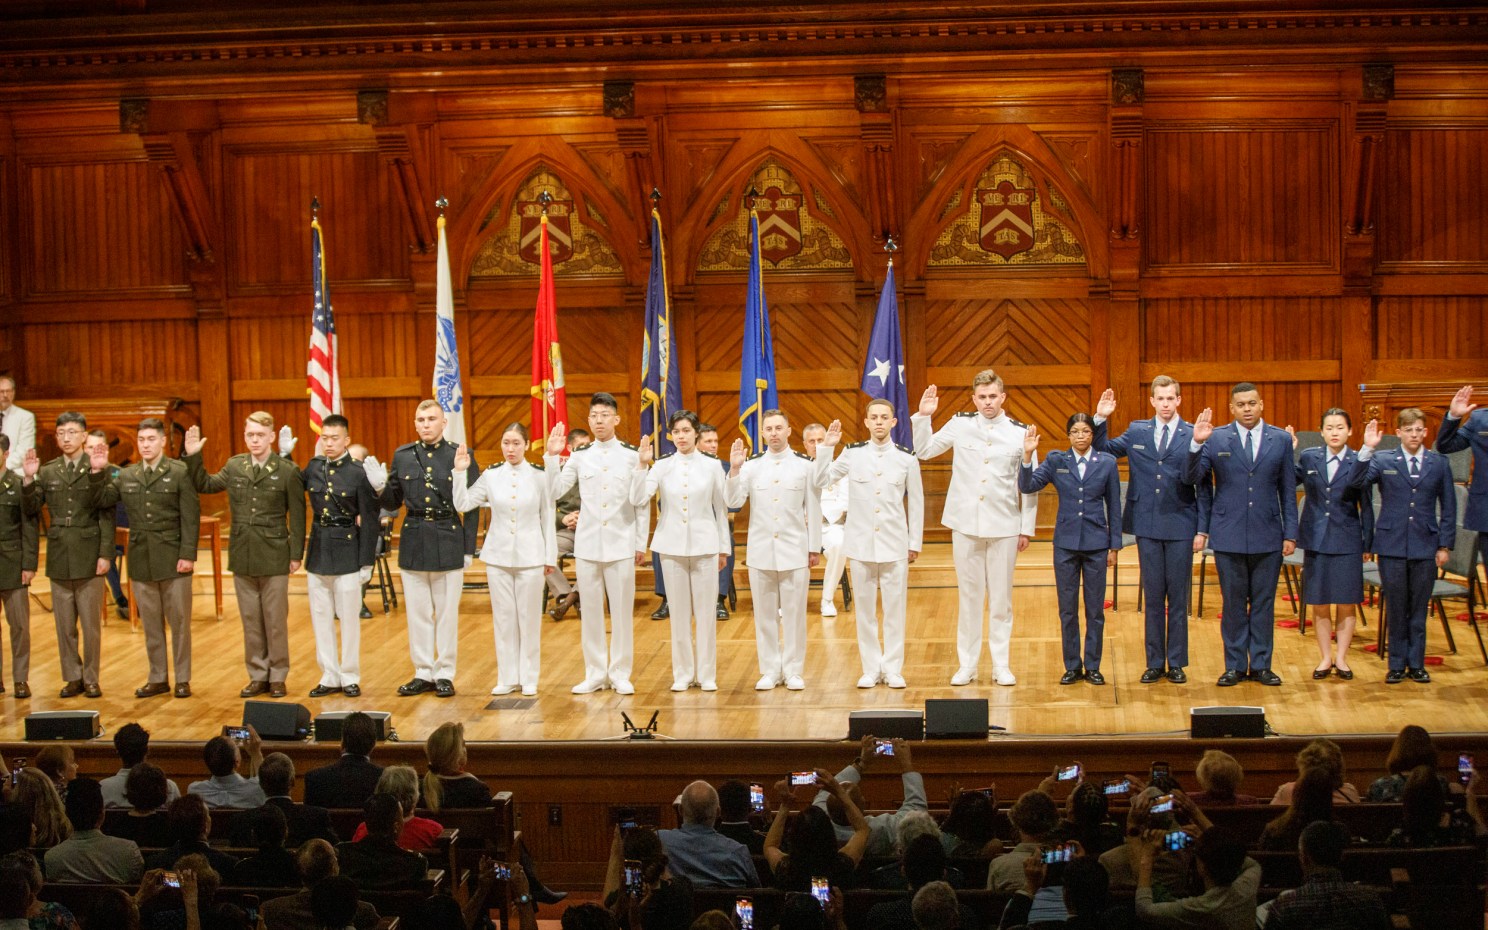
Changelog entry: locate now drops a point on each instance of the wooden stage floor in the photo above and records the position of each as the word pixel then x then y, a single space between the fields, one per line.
pixel 1036 706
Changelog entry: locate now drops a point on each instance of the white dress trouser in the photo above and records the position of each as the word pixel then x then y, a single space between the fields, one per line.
pixel 692 596
pixel 334 597
pixel 984 577
pixel 516 611
pixel 780 594
pixel 867 579
pixel 433 621
pixel 617 579
pixel 835 561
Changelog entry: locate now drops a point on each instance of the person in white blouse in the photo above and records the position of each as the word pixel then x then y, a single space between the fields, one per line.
pixel 521 547
pixel 17 423
pixel 692 538
pixel 885 529
pixel 784 539
pixel 833 520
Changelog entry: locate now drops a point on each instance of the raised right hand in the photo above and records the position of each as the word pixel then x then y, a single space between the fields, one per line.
pixel 1204 426
pixel 462 457
pixel 1030 441
pixel 1462 403
pixel 1372 435
pixel 834 434
pixel 1106 405
pixel 557 441
pixel 193 442
pixel 377 474
pixel 737 456
pixel 30 464
pixel 645 455
pixel 929 401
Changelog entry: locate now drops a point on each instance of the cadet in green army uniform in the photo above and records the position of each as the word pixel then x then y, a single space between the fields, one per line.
pixel 164 523
pixel 267 501
pixel 19 545
pixel 80 547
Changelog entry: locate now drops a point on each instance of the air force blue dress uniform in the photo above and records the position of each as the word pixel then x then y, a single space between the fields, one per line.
pixel 1335 529
pixel 1087 527
pixel 1163 510
pixel 1471 432
pixel 1254 512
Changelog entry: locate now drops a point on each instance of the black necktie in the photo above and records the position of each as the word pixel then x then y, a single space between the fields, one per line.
pixel 1415 469
pixel 1249 447
pixel 1162 447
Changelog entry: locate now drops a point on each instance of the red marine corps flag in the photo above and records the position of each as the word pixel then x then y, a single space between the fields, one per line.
pixel 549 399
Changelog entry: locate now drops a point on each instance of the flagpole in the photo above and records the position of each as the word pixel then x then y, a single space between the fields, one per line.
pixel 544 198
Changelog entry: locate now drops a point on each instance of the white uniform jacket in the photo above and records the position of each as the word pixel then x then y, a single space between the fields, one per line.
pixel 879 477
pixel 610 527
pixel 522 532
pixel 784 510
pixel 693 518
pixel 983 499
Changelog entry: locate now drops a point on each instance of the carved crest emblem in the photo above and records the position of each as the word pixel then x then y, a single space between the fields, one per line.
pixel 560 230
pixel 779 224
pixel 1007 218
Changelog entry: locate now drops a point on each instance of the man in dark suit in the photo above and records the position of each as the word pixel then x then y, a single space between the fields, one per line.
pixel 316 861
pixel 276 777
pixel 1252 526
pixel 1163 510
pixel 1410 539
pixel 376 861
pixel 351 779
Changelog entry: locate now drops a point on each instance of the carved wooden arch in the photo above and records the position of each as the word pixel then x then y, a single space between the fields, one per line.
pixel 984 145
pixel 747 154
pixel 498 191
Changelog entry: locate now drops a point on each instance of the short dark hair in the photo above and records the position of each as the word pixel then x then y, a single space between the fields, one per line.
pixel 276 774
pixel 154 423
pixel 220 755
pixel 384 815
pixel 1034 813
pixel 336 419
pixel 576 432
pixel 84 803
pixel 680 415
pixel 603 399
pixel 145 787
pixel 924 860
pixel 132 743
pixel 1081 417
pixel 333 901
pixel 733 801
pixel 1323 842
pixel 1336 412
pixel 188 818
pixel 1222 854
pixel 269 826
pixel 358 734
pixel 1242 388
pixel 1087 886
pixel 72 416
pixel 706 428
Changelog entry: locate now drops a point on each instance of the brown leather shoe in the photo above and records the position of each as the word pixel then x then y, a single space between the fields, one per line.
pixel 277 689
pixel 92 691
pixel 183 689
pixel 71 689
pixel 152 688
pixel 563 605
pixel 22 690
pixel 254 688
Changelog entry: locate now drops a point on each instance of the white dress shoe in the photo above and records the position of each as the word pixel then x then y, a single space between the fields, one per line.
pixel 588 686
pixel 964 676
pixel 795 683
pixel 529 690
pixel 709 686
pixel 766 683
pixel 828 609
pixel 622 686
pixel 1004 677
pixel 868 681
pixel 681 685
pixel 895 681
pixel 503 689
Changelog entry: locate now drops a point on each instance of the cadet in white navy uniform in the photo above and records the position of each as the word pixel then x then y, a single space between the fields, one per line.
pixel 1164 511
pixel 990 521
pixel 784 539
pixel 1410 539
pixel 692 538
pixel 833 519
pixel 1466 427
pixel 521 548
pixel 885 527
pixel 1087 535
pixel 1334 531
pixel 609 543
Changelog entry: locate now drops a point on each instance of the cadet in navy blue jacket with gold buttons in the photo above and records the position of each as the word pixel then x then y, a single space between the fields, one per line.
pixel 1087 533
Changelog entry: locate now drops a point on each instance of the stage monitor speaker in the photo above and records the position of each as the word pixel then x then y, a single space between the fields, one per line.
pixel 956 718
pixel 63 724
pixel 1242 722
pixel 886 724
pixel 328 725
pixel 277 721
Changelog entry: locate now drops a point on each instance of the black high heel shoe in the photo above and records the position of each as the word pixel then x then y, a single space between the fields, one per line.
pixel 1347 674
pixel 1318 674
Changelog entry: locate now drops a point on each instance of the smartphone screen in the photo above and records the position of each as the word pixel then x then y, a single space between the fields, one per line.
pixel 171 879
pixel 1464 767
pixel 502 870
pixel 632 876
pixel 803 778
pixel 1177 840
pixel 1119 787
pixel 236 733
pixel 1052 855
pixel 1162 804
pixel 821 889
pixel 883 747
pixel 1069 773
pixel 744 911
pixel 757 797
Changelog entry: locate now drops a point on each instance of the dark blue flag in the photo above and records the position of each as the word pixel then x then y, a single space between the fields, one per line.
pixel 883 369
pixel 661 384
pixel 757 374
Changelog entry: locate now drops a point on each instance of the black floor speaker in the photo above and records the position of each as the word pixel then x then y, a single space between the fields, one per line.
pixel 886 724
pixel 329 724
pixel 956 718
pixel 1225 722
pixel 63 724
pixel 277 721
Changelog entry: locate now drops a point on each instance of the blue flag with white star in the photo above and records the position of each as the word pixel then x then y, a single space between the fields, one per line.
pixel 757 373
pixel 883 369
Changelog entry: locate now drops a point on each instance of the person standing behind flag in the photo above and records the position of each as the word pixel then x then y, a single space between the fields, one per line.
pixel 990 522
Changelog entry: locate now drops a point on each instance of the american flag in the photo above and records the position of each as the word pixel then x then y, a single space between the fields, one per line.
pixel 321 376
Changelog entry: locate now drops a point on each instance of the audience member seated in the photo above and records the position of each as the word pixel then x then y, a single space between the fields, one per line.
pixel 803 912
pixel 16 828
pixel 912 826
pixel 923 861
pixel 733 816
pixel 191 824
pixel 88 855
pixel 132 743
pixel 663 901
pixel 16 898
pixel 111 909
pixel 935 908
pixel 698 852
pixel 969 830
pixel 333 902
pixel 1427 820
pixel 1086 895
pixel 59 764
pixel 272 866
pixel 1312 800
pixel 1412 747
pixel 316 861
pixel 276 776
pixel 402 782
pixel 35 792
pixel 436 912
pixel 587 917
pixel 351 779
pixel 1230 879
pixel 1171 870
pixel 1219 776
pixel 1325 754
pixel 881 827
pixel 812 848
pixel 40 915
pixel 1087 821
pixel 1035 817
pixel 1325 901
pixel 714 919
pixel 226 788
pixel 376 862
pixel 447 784
pixel 147 824
pixel 165 908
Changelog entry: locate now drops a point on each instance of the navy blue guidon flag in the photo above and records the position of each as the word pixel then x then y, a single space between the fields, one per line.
pixel 661 381
pixel 883 369
pixel 757 374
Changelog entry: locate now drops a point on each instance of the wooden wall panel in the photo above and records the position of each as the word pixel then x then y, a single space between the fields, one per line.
pixel 1229 193
pixel 982 331
pixel 1287 403
pixel 1240 329
pixel 1434 204
pixel 1432 328
pixel 108 357
pixel 97 227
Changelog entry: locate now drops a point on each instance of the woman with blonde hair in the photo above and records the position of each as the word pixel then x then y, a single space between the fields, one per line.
pixel 35 791
pixel 447 784
pixel 1219 775
pixel 1323 754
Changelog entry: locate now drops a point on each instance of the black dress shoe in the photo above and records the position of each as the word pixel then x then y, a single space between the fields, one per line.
pixel 1176 676
pixel 722 612
pixel 22 690
pixel 1395 676
pixel 323 690
pixel 1095 677
pixel 1151 676
pixel 546 895
pixel 152 688
pixel 364 613
pixel 1318 674
pixel 564 604
pixel 1347 674
pixel 1266 677
pixel 444 688
pixel 416 686
pixel 1071 676
pixel 1418 675
pixel 183 689
pixel 122 610
pixel 93 691
pixel 352 690
pixel 661 613
pixel 253 689
pixel 1229 679
pixel 71 689
pixel 277 689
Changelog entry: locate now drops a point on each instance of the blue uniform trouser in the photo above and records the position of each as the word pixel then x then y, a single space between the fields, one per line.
pixel 1070 565
pixel 1407 584
pixel 1247 581
pixel 1167 578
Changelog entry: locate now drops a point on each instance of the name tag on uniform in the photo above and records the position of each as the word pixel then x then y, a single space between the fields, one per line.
pixel 1062 471
pixel 1483 432
pixel 1312 471
pixel 1138 446
pixel 1390 471
pixel 1223 455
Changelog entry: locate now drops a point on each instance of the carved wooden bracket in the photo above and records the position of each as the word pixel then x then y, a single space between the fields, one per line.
pixel 397 142
pixel 1127 94
pixel 634 135
pixel 171 152
pixel 876 132
pixel 1383 400
pixel 1369 134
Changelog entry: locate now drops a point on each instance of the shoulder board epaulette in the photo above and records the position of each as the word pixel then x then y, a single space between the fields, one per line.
pixel 664 455
pixel 855 445
pixel 626 445
pixel 1017 424
pixel 538 465
pixel 905 449
pixel 709 455
pixel 755 456
pixel 802 455
pixel 967 413
pixel 495 464
pixel 408 446
pixel 572 451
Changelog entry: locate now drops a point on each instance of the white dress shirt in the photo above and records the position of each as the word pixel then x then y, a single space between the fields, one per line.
pixel 522 532
pixel 610 527
pixel 693 517
pixel 983 499
pixel 885 501
pixel 20 425
pixel 784 513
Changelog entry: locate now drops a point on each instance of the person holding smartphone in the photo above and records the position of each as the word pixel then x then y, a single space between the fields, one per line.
pixel 700 853
pixel 660 899
pixel 813 846
pixel 883 828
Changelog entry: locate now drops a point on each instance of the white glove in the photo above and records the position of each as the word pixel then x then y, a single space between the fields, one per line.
pixel 469 560
pixel 287 440
pixel 377 474
pixel 365 574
